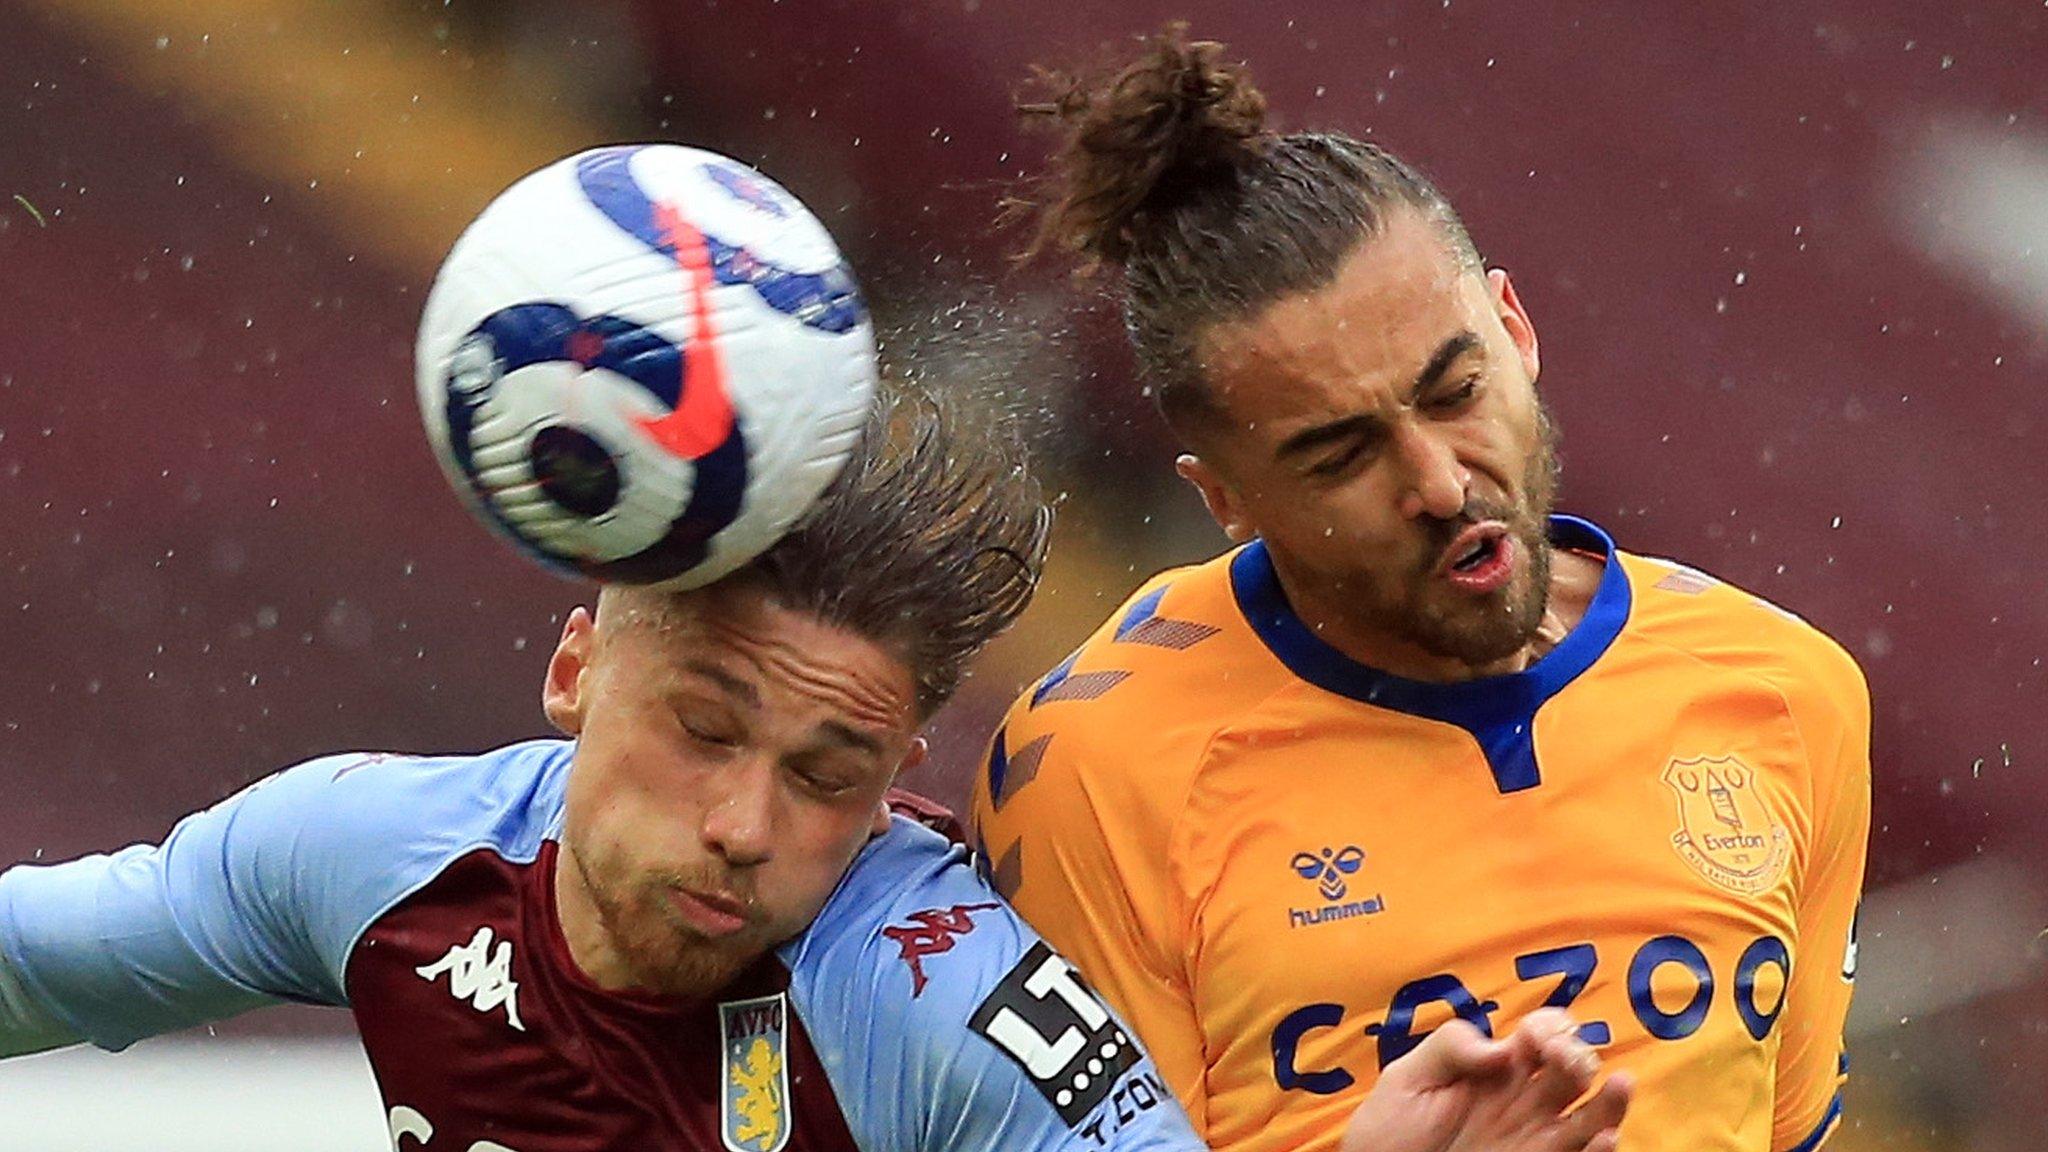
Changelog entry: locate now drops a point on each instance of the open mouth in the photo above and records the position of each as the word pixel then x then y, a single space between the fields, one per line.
pixel 1479 553
pixel 1481 558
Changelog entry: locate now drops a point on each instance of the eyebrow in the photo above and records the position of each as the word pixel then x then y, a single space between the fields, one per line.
pixel 733 685
pixel 1309 439
pixel 859 741
pixel 832 731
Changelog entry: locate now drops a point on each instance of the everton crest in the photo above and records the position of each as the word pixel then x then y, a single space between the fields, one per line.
pixel 1725 831
pixel 753 1109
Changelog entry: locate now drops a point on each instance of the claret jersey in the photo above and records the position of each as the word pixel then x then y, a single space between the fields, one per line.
pixel 1286 868
pixel 916 1012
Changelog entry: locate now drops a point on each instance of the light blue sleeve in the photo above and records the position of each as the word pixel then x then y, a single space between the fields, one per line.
pixel 944 1022
pixel 261 897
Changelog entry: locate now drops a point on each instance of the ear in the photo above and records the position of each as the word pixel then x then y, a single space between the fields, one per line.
pixel 1514 318
pixel 563 695
pixel 912 757
pixel 1217 495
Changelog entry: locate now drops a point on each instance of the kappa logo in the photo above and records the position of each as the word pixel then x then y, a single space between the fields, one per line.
pixel 753 1106
pixel 480 974
pixel 931 933
pixel 1725 831
pixel 1328 867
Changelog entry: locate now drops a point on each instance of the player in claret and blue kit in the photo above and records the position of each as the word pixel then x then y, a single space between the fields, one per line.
pixel 697 924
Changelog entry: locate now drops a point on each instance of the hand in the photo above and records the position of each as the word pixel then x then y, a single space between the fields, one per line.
pixel 1461 1092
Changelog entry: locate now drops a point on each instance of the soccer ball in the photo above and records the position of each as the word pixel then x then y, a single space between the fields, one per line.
pixel 642 364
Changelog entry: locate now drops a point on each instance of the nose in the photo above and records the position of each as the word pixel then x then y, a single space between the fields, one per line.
pixel 1436 480
pixel 739 822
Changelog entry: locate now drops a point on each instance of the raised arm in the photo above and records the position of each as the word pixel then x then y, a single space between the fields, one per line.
pixel 255 900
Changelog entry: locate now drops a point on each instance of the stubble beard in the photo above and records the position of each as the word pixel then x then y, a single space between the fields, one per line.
pixel 1489 629
pixel 1478 631
pixel 664 954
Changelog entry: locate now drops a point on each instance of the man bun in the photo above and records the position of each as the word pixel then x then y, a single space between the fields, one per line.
pixel 1137 144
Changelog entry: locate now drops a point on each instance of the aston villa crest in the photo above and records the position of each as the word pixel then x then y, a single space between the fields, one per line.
pixel 754 1100
pixel 1724 829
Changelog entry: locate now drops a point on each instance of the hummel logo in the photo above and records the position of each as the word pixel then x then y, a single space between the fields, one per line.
pixel 479 975
pixel 1328 868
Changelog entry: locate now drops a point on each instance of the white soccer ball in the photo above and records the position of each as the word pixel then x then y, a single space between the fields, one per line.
pixel 642 364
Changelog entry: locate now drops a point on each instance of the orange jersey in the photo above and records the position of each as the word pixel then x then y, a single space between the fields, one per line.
pixel 1285 868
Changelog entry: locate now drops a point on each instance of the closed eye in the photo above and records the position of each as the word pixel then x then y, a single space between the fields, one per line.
pixel 709 737
pixel 1335 465
pixel 825 777
pixel 1456 397
pixel 1343 461
pixel 824 785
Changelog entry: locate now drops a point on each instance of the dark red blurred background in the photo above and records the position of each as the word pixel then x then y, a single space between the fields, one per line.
pixel 1789 264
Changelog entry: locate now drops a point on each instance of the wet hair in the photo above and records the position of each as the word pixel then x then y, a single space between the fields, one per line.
pixel 930 542
pixel 1166 170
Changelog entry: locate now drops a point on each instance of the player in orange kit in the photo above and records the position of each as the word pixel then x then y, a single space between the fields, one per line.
pixel 1416 748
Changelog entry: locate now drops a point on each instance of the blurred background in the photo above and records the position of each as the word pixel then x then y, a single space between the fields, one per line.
pixel 1789 262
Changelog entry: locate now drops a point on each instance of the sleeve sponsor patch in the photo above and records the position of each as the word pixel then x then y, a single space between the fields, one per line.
pixel 1054 1026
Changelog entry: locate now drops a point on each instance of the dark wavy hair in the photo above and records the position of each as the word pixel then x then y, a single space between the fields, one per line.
pixel 1166 170
pixel 931 541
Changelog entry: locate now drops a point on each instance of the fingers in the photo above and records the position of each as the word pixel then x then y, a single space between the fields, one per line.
pixel 1594 1126
pixel 1536 1030
pixel 1457 1051
pixel 1565 1069
pixel 1544 1046
pixel 1552 1066
pixel 1544 1023
pixel 1553 1070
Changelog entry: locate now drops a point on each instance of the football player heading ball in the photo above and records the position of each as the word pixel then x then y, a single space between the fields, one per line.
pixel 701 920
pixel 1470 757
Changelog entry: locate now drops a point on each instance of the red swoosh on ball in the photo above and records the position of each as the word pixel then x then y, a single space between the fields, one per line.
pixel 703 416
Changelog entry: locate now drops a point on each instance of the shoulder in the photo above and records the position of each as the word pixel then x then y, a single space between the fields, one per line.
pixel 1712 620
pixel 266 893
pixel 909 882
pixel 1145 694
pixel 508 798
pixel 353 834
pixel 917 975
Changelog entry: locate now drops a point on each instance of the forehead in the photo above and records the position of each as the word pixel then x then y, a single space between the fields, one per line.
pixel 796 667
pixel 1392 304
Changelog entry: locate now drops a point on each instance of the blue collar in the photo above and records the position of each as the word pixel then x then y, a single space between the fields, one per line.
pixel 1499 711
